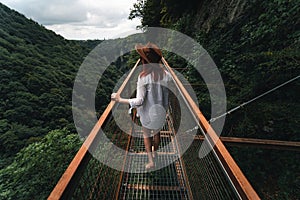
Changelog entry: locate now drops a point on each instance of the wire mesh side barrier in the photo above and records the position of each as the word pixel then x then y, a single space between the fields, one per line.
pixel 88 178
pixel 97 180
pixel 176 181
pixel 234 176
pixel 93 179
pixel 205 176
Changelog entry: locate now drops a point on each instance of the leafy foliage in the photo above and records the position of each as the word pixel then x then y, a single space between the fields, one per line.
pixel 154 13
pixel 254 52
pixel 275 175
pixel 253 57
pixel 36 79
pixel 37 168
pixel 38 69
pixel 255 45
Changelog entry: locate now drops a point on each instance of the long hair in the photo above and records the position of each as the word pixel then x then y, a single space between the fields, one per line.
pixel 154 67
pixel 156 71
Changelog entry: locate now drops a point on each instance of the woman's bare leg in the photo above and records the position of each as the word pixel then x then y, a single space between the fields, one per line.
pixel 148 147
pixel 156 142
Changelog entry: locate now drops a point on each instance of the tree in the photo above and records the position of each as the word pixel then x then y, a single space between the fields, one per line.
pixel 37 168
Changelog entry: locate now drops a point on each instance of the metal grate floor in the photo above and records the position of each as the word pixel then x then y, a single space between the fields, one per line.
pixel 166 183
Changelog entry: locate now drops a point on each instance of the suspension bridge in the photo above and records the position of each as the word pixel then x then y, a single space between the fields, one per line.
pixel 214 176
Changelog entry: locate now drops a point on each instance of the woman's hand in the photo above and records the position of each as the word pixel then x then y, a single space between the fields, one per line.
pixel 115 97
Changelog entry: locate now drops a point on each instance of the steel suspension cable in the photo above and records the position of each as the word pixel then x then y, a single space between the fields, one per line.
pixel 253 99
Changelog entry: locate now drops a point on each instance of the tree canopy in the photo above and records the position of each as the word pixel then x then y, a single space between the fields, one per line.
pixel 255 45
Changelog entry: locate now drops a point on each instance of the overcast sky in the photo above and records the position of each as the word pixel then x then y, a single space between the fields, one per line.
pixel 80 19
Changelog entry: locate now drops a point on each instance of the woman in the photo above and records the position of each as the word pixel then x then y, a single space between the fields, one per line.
pixel 151 99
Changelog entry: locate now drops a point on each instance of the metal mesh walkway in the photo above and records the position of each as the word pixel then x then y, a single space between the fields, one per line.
pixel 166 183
pixel 215 176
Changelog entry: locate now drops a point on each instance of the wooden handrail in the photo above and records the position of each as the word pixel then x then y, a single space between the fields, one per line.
pixel 243 186
pixel 65 181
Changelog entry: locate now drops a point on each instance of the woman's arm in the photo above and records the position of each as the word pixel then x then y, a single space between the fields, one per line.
pixel 135 102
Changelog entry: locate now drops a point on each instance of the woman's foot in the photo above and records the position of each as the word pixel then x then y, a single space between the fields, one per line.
pixel 150 165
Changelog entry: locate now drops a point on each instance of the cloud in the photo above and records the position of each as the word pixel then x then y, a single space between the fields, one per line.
pixel 50 12
pixel 76 18
pixel 82 32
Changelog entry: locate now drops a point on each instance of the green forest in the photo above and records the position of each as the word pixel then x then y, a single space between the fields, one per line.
pixel 255 45
pixel 38 138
